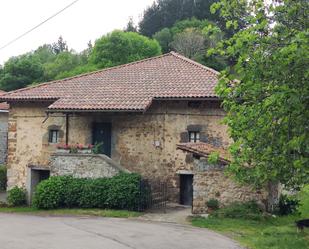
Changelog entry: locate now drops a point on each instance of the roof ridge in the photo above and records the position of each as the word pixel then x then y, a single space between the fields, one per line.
pixel 86 74
pixel 193 62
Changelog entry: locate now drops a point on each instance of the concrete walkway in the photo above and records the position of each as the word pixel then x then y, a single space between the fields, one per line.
pixel 174 213
pixel 36 232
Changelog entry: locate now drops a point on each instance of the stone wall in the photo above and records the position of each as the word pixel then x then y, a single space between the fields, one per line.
pixel 3 136
pixel 28 140
pixel 210 182
pixel 141 142
pixel 83 165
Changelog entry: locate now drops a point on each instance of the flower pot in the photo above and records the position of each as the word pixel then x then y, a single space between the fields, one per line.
pixel 63 151
pixel 84 151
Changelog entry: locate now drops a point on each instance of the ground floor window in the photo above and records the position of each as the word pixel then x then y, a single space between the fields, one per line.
pixel 194 136
pixel 53 136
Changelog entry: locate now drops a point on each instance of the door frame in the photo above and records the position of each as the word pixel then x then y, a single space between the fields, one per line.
pixel 181 175
pixel 107 125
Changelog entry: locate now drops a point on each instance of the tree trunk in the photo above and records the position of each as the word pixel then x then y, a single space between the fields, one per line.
pixel 273 196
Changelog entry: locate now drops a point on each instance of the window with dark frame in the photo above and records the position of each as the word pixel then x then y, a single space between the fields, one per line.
pixel 194 136
pixel 53 136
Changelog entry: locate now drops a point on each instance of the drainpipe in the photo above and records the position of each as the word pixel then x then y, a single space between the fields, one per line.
pixel 66 128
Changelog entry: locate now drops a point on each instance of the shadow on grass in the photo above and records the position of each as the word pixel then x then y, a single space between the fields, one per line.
pixel 71 212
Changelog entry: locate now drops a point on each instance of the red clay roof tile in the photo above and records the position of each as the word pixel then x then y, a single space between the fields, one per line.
pixel 204 150
pixel 127 87
pixel 4 106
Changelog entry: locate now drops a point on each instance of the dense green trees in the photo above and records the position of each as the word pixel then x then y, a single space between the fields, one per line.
pixel 165 13
pixel 268 105
pixel 121 47
pixel 56 61
pixel 193 38
pixel 20 71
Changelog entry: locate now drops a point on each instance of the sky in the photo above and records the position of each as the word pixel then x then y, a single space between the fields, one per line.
pixel 85 20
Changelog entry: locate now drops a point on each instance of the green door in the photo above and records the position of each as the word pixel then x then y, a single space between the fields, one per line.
pixel 102 134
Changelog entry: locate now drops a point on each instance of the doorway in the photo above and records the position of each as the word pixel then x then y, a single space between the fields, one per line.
pixel 186 189
pixel 102 135
pixel 36 175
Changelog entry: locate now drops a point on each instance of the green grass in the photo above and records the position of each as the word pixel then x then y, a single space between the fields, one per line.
pixel 270 233
pixel 71 212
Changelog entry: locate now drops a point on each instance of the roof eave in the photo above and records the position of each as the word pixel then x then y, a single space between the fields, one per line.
pixel 94 110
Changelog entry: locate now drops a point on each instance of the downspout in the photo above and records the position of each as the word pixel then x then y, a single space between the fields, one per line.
pixel 66 128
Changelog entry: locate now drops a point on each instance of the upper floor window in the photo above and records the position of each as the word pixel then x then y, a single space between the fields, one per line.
pixel 194 136
pixel 53 136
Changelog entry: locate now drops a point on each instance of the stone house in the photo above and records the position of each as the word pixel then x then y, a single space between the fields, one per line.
pixel 139 112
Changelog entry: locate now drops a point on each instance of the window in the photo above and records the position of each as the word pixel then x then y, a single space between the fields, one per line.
pixel 194 136
pixel 53 136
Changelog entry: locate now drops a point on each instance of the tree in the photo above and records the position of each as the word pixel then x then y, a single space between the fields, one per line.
pixel 60 46
pixel 131 26
pixel 121 47
pixel 268 105
pixel 64 62
pixel 165 13
pixel 235 15
pixel 194 38
pixel 44 54
pixel 164 37
pixel 19 72
pixel 189 43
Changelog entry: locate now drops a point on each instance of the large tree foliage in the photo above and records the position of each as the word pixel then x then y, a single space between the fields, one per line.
pixel 60 46
pixel 189 43
pixel 121 47
pixel 193 38
pixel 19 72
pixel 268 104
pixel 48 62
pixel 165 13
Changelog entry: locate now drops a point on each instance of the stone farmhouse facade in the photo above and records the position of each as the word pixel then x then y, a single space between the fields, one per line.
pixel 146 116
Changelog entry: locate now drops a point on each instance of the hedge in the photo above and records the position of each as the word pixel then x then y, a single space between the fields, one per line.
pixel 119 192
pixel 17 197
pixel 3 178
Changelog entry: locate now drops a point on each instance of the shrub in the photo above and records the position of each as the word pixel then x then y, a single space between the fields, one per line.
pixel 3 178
pixel 287 205
pixel 237 210
pixel 72 191
pixel 16 197
pixel 94 193
pixel 213 204
pixel 50 193
pixel 119 192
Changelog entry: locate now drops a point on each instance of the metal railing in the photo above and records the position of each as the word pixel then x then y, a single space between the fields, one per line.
pixel 153 195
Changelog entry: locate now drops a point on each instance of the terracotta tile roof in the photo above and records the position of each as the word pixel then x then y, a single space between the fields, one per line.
pixel 4 106
pixel 204 150
pixel 127 87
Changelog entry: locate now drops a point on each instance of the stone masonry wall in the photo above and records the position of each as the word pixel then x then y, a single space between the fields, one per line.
pixel 83 165
pixel 3 136
pixel 209 182
pixel 141 142
pixel 28 140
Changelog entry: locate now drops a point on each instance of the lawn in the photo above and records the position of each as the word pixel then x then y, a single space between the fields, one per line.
pixel 271 233
pixel 71 212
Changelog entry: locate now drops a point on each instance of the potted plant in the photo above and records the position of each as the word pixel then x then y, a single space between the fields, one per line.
pixel 212 205
pixel 63 148
pixel 83 149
